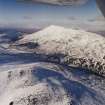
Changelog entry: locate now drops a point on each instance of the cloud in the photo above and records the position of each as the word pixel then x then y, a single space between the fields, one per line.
pixel 72 18
pixel 95 24
pixel 58 2
pixel 28 17
pixel 97 19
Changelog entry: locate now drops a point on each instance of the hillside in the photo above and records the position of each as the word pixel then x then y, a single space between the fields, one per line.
pixel 41 69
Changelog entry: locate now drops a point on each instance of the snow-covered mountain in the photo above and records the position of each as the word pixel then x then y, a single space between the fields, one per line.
pixel 80 48
pixel 25 79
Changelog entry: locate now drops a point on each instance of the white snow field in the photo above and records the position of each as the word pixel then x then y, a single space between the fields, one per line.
pixel 30 77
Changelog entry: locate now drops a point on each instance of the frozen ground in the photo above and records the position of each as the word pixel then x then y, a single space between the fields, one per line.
pixel 27 80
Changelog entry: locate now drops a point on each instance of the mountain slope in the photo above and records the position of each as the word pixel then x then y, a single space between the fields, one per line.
pixel 49 84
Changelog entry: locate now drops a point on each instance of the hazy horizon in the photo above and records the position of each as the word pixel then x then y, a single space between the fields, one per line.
pixel 28 15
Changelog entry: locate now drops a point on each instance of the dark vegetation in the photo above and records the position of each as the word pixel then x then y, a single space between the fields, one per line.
pixel 30 45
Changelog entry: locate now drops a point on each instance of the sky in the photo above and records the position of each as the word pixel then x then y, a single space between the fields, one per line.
pixel 37 15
